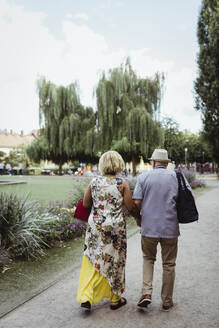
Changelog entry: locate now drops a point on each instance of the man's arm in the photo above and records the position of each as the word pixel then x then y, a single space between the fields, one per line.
pixel 137 203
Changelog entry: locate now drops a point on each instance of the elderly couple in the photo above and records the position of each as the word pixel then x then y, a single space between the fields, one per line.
pixel 153 204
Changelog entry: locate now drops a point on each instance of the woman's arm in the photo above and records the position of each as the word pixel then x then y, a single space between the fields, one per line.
pixel 87 200
pixel 129 203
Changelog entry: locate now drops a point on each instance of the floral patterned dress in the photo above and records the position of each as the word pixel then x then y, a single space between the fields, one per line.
pixel 105 241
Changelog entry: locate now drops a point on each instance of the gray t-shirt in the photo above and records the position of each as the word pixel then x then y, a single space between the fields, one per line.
pixel 158 190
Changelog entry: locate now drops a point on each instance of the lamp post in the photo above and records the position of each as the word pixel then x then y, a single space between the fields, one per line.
pixel 186 149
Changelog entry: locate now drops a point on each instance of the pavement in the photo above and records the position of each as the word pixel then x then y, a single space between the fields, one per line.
pixel 196 292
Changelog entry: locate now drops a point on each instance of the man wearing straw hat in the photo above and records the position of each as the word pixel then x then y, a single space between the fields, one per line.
pixel 155 195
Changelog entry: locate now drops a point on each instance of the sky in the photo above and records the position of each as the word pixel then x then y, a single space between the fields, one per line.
pixel 69 40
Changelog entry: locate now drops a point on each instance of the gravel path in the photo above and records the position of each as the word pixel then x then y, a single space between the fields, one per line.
pixel 196 289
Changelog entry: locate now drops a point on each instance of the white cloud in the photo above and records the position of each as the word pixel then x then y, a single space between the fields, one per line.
pixel 29 50
pixel 179 101
pixel 119 3
pixel 68 16
pixel 82 16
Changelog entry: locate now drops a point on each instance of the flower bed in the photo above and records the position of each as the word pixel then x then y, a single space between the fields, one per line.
pixel 193 181
pixel 27 229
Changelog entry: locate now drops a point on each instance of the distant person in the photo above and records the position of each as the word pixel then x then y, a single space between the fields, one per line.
pixel 20 168
pixel 8 168
pixel 1 168
pixel 155 195
pixel 103 266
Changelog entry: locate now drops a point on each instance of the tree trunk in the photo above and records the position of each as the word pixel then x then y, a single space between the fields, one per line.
pixel 60 168
pixel 134 165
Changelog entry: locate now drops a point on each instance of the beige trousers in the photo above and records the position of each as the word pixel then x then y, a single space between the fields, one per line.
pixel 169 253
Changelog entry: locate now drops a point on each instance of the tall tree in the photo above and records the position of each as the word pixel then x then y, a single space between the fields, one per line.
pixel 178 142
pixel 207 83
pixel 127 110
pixel 174 140
pixel 67 128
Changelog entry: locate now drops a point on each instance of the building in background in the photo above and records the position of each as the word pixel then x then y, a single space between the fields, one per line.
pixel 11 140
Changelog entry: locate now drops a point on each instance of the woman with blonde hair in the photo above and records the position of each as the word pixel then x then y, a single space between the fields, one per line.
pixel 103 265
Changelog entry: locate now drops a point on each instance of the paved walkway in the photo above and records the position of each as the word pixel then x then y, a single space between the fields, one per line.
pixel 196 289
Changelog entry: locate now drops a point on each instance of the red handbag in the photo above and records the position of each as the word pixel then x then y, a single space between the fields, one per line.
pixel 81 212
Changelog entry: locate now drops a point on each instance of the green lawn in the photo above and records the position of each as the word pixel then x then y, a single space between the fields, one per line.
pixel 42 188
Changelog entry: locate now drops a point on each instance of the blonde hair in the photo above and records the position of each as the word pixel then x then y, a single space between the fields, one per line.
pixel 111 162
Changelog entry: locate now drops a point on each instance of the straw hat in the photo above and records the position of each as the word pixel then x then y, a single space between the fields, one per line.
pixel 160 155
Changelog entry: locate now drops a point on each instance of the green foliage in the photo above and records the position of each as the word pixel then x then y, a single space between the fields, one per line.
pixel 16 156
pixel 19 225
pixel 26 229
pixel 176 142
pixel 78 191
pixel 207 83
pixel 126 119
pixel 127 108
pixel 67 128
pixel 2 155
pixel 198 148
pixel 38 150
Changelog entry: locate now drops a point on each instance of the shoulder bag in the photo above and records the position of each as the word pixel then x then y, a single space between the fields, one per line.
pixel 186 208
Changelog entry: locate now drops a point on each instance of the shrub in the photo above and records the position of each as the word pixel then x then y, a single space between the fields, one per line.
pixel 193 181
pixel 26 171
pixel 12 211
pixel 20 227
pixel 4 258
pixel 56 207
pixel 27 229
pixel 77 193
pixel 61 227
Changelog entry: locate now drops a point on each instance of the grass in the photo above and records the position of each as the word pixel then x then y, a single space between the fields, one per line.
pixel 41 188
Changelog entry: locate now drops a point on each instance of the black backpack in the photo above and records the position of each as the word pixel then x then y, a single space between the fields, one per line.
pixel 185 204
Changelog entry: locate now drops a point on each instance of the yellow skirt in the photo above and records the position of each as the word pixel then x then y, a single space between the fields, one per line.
pixel 93 287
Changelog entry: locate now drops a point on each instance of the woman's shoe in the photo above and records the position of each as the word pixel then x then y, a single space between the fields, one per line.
pixel 120 303
pixel 86 305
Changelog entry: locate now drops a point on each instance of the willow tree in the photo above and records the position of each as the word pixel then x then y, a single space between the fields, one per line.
pixel 207 82
pixel 128 112
pixel 67 128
